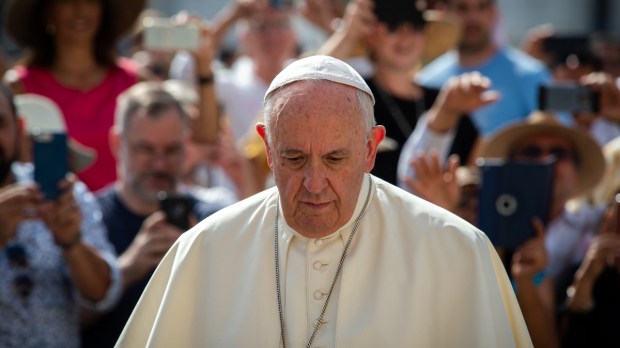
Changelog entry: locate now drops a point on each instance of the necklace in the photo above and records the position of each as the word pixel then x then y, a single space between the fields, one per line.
pixel 319 321
pixel 397 113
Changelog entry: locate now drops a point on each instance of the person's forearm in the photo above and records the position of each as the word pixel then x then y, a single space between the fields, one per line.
pixel 338 45
pixel 580 293
pixel 539 321
pixel 205 125
pixel 89 271
pixel 222 23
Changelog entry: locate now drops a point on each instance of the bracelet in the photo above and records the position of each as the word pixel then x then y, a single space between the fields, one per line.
pixel 581 307
pixel 68 246
pixel 205 80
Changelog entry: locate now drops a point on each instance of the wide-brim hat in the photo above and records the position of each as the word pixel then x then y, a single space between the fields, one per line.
pixel 41 114
pixel 591 160
pixel 20 14
pixel 441 34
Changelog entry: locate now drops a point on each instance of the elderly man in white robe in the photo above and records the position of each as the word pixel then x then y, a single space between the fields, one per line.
pixel 331 256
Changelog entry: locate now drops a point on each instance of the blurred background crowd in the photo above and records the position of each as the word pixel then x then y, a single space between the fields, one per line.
pixel 156 102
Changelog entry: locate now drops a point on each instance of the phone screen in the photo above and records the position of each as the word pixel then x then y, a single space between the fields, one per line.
pixel 568 98
pixel 51 162
pixel 162 34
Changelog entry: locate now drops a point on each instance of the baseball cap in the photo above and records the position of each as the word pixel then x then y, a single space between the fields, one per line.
pixel 41 114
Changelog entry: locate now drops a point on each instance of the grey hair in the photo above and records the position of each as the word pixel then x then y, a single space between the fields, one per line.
pixel 365 102
pixel 151 96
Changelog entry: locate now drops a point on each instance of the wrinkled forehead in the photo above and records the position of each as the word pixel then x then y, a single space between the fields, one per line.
pixel 302 102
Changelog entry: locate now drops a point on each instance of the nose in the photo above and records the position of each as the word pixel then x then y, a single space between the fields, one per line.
pixel 160 162
pixel 315 179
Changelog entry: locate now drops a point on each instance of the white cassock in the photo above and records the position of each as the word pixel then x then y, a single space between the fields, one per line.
pixel 415 275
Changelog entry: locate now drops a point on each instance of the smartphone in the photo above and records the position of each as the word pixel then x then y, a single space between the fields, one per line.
pixel 51 161
pixel 163 35
pixel 177 209
pixel 562 45
pixel 568 98
pixel 510 195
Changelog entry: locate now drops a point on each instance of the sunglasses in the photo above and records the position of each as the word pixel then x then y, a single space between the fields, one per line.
pixel 535 152
pixel 393 27
pixel 23 283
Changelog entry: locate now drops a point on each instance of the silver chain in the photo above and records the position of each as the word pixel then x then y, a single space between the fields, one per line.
pixel 319 321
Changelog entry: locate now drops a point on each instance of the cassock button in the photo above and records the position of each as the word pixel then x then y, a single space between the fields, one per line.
pixel 317 265
pixel 318 242
pixel 318 295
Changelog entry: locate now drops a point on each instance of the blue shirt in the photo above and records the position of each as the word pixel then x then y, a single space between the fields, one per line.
pixel 49 315
pixel 514 74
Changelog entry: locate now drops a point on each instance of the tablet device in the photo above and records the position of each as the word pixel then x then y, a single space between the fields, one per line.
pixel 510 195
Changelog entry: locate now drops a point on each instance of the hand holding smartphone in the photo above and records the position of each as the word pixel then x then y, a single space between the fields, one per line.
pixel 177 209
pixel 51 161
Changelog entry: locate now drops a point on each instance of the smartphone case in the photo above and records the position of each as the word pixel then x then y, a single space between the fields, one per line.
pixel 177 209
pixel 51 162
pixel 510 195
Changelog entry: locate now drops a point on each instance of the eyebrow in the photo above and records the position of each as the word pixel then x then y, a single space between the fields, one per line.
pixel 338 152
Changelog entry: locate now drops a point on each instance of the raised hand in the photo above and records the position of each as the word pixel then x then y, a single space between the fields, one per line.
pixel 605 84
pixel 458 96
pixel 434 183
pixel 148 248
pixel 531 257
pixel 17 203
pixel 63 216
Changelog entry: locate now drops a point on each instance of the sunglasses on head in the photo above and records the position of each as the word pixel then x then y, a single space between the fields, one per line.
pixel 23 282
pixel 536 152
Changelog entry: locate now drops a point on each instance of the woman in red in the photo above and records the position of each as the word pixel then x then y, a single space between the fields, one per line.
pixel 70 57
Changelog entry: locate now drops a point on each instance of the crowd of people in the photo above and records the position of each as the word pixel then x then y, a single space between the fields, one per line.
pixel 271 129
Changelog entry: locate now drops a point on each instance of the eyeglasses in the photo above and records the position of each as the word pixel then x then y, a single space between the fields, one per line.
pixel 148 152
pixel 23 283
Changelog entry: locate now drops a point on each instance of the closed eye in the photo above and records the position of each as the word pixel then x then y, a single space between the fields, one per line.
pixel 335 160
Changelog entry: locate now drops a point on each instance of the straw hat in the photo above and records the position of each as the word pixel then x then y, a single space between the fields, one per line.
pixel 20 15
pixel 592 162
pixel 41 114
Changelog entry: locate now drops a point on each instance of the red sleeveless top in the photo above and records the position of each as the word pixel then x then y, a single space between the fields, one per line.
pixel 89 115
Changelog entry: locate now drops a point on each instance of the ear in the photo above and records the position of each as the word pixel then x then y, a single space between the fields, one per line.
pixel 262 131
pixel 114 138
pixel 377 134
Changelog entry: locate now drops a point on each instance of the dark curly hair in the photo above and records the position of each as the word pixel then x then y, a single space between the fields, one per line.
pixel 42 51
